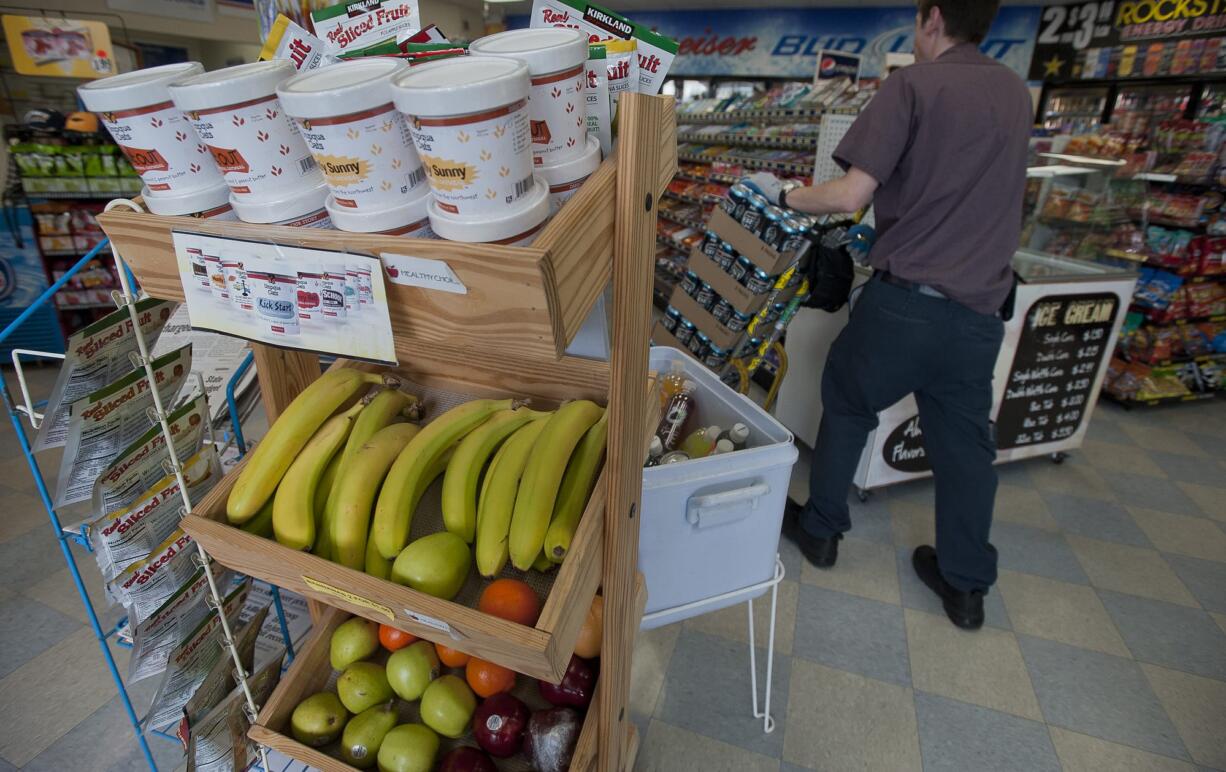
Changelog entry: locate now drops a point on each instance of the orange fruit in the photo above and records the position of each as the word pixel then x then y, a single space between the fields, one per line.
pixel 487 679
pixel 393 639
pixel 511 599
pixel 588 643
pixel 450 657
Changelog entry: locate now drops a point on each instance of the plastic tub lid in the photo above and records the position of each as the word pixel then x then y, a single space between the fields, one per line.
pixel 576 168
pixel 545 50
pixel 191 202
pixel 484 229
pixel 460 86
pixel 135 89
pixel 379 220
pixel 231 86
pixel 340 89
pixel 273 210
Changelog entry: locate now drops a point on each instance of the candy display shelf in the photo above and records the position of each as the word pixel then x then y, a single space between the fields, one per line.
pixel 506 336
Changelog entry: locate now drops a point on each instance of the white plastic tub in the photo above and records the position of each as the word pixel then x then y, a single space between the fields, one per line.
pixel 469 120
pixel 564 179
pixel 359 139
pixel 207 204
pixel 711 526
pixel 136 109
pixel 236 114
pixel 302 209
pixel 516 228
pixel 408 219
pixel 557 63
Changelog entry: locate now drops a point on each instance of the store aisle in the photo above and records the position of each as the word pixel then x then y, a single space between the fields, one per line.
pixel 1105 644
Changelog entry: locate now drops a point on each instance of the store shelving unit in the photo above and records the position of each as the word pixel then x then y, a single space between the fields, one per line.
pixel 506 336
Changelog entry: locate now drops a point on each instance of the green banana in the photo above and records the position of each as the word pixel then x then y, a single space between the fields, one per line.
pixel 382 409
pixel 287 436
pixel 261 524
pixel 293 518
pixel 539 487
pixel 543 564
pixel 398 498
pixel 498 497
pixel 576 488
pixel 356 489
pixel 323 527
pixel 459 499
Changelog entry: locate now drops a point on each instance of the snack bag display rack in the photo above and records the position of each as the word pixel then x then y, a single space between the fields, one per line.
pixel 507 336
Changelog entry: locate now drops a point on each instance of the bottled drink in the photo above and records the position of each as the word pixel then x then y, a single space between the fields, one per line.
pixel 677 416
pixel 654 452
pixel 722 447
pixel 737 435
pixel 701 442
pixel 671 384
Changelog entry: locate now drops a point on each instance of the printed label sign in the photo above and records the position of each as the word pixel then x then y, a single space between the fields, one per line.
pixel 295 297
pixel 345 595
pixel 422 272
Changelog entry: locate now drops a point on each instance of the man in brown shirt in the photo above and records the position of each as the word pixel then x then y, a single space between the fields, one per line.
pixel 941 153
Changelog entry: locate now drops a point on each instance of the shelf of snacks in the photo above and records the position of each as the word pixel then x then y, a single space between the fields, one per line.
pixel 785 102
pixel 791 136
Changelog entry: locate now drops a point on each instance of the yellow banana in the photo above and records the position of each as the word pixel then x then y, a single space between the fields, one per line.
pixel 543 564
pixel 261 524
pixel 323 525
pixel 464 471
pixel 577 484
pixel 356 489
pixel 539 487
pixel 288 434
pixel 293 518
pixel 382 409
pixel 394 511
pixel 376 564
pixel 498 497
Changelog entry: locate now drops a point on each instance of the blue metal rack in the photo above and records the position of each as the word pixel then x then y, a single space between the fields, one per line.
pixel 66 536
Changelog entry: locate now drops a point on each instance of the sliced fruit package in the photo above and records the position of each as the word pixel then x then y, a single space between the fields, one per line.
pixel 291 42
pixel 355 24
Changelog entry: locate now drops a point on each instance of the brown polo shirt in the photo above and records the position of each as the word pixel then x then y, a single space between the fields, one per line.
pixel 948 141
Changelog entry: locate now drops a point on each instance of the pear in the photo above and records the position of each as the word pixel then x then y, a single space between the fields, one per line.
pixel 447 706
pixel 408 748
pixel 353 641
pixel 319 719
pixel 363 685
pixel 364 734
pixel 410 670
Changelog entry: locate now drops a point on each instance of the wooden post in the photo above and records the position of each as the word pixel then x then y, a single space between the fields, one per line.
pixel 638 161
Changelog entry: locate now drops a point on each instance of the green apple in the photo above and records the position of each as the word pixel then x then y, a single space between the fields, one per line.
pixel 364 734
pixel 436 564
pixel 411 669
pixel 447 706
pixel 353 641
pixel 318 720
pixel 408 748
pixel 362 686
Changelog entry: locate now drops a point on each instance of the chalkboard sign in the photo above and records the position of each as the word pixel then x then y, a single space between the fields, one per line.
pixel 1060 352
pixel 904 449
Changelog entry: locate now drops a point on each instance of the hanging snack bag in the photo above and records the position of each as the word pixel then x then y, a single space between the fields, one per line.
pixel 355 24
pixel 291 42
pixel 621 64
pixel 154 638
pixel 599 115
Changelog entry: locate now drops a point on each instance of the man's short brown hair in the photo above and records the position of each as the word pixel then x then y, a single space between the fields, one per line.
pixel 966 21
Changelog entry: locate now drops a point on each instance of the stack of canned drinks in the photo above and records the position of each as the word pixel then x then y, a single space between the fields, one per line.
pixel 783 230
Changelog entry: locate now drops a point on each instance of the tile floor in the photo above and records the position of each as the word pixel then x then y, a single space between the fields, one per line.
pixel 1105 644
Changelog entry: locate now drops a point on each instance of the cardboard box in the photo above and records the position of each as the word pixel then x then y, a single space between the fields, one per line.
pixel 722 282
pixel 703 320
pixel 748 244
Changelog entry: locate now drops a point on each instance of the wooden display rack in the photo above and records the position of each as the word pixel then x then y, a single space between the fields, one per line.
pixel 505 337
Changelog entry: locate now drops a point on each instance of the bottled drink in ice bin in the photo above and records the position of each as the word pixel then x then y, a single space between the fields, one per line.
pixel 677 416
pixel 701 442
pixel 671 384
pixel 654 452
pixel 722 447
pixel 736 436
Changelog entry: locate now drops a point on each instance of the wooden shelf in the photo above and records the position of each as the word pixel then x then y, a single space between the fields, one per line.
pixel 529 301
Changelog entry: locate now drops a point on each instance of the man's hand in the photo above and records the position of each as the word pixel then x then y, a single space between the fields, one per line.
pixel 766 184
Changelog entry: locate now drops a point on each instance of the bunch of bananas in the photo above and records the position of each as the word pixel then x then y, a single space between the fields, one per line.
pixel 341 473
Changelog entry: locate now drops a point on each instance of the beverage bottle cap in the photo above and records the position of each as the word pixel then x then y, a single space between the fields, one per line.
pixel 657 447
pixel 739 433
pixel 723 446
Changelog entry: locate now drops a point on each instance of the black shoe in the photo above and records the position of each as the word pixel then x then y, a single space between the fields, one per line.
pixel 964 609
pixel 822 553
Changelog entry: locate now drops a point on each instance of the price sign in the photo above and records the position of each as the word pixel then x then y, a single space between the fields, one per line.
pixel 1058 356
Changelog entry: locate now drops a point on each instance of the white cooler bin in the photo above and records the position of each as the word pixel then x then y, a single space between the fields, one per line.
pixel 711 526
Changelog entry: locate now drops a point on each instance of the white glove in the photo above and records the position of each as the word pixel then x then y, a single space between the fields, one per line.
pixel 766 184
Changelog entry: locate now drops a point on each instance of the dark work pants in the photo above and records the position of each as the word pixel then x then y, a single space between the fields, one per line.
pixel 900 342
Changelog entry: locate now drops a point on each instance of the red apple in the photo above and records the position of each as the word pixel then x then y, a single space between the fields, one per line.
pixel 466 759
pixel 499 725
pixel 551 738
pixel 576 687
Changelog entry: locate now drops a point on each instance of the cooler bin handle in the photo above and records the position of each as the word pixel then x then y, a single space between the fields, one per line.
pixel 720 508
